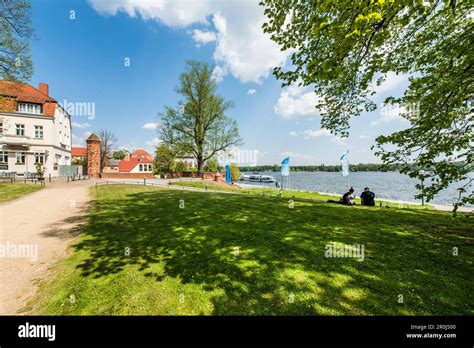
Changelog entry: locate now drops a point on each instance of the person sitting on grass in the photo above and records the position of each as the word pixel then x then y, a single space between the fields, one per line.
pixel 347 198
pixel 367 197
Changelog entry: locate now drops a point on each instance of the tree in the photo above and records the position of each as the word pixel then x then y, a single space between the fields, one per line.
pixel 179 166
pixel 79 162
pixel 107 142
pixel 120 154
pixel 211 165
pixel 164 160
pixel 345 50
pixel 39 171
pixel 16 31
pixel 199 127
pixel 234 172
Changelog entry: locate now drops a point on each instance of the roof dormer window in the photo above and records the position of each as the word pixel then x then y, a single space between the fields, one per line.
pixel 29 108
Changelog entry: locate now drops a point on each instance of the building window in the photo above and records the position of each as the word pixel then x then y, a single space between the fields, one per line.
pixel 140 167
pixel 39 157
pixel 20 158
pixel 20 129
pixel 149 168
pixel 3 157
pixel 29 108
pixel 1 129
pixel 38 132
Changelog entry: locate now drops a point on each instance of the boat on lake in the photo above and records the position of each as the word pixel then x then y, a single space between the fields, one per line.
pixel 258 178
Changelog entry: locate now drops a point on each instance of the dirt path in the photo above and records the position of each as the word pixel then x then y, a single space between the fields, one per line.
pixel 35 232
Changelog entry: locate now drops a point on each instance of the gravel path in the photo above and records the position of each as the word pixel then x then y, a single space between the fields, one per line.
pixel 35 231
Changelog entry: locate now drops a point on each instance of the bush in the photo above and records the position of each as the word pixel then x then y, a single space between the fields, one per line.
pixel 39 171
pixel 211 165
pixel 234 172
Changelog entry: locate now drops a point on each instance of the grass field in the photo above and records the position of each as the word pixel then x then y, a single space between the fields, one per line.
pixel 174 252
pixel 11 191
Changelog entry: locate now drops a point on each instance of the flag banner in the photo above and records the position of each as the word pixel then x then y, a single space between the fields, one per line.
pixel 227 174
pixel 345 163
pixel 285 167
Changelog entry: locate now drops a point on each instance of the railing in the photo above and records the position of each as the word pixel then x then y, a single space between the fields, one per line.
pixel 154 184
pixel 8 176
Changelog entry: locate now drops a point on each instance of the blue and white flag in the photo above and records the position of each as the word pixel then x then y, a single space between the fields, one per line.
pixel 227 174
pixel 345 163
pixel 285 167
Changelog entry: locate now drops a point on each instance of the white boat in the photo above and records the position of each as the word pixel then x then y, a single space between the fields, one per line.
pixel 267 178
pixel 254 177
pixel 258 178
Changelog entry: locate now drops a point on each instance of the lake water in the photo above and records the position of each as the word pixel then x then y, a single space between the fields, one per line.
pixel 388 185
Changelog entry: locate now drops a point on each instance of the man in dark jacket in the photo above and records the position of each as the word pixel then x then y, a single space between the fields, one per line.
pixel 367 197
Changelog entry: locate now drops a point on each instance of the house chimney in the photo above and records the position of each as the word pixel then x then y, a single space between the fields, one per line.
pixel 44 88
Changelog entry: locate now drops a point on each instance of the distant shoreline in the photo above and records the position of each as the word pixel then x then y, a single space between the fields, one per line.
pixel 323 171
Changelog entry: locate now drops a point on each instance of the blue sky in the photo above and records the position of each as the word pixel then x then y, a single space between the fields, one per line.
pixel 82 47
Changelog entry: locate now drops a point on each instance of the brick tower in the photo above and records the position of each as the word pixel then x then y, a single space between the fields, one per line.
pixel 93 156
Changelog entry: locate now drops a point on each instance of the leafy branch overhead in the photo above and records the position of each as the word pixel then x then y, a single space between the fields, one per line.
pixel 344 49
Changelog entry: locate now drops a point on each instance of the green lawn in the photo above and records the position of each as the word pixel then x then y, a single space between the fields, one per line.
pixel 10 191
pixel 224 254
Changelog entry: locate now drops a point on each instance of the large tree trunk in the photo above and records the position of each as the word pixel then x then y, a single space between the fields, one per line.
pixel 200 165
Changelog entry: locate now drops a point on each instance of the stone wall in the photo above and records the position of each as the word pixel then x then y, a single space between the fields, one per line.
pixel 127 176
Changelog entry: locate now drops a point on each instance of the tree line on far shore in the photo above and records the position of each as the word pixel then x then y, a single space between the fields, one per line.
pixel 361 167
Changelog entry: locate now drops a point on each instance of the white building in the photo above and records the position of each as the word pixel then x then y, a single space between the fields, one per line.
pixel 189 162
pixel 34 128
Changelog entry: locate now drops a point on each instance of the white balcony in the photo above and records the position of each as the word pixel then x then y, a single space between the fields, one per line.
pixel 13 139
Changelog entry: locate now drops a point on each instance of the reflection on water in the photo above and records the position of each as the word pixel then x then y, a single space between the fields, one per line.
pixel 390 185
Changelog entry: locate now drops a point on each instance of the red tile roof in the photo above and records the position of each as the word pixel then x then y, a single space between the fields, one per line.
pixel 79 152
pixel 127 164
pixel 140 153
pixel 26 93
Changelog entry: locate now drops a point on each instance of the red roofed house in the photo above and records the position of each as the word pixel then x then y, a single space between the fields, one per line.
pixel 34 128
pixel 138 162
pixel 79 154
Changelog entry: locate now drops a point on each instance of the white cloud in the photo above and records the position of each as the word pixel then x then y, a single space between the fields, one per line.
pixel 390 113
pixel 170 12
pixel 251 91
pixel 80 125
pixel 242 48
pixel 339 141
pixel 319 133
pixel 296 101
pixel 391 83
pixel 151 125
pixel 80 140
pixel 311 133
pixel 154 142
pixel 203 37
pixel 296 155
pixel 218 73
pixel 364 136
